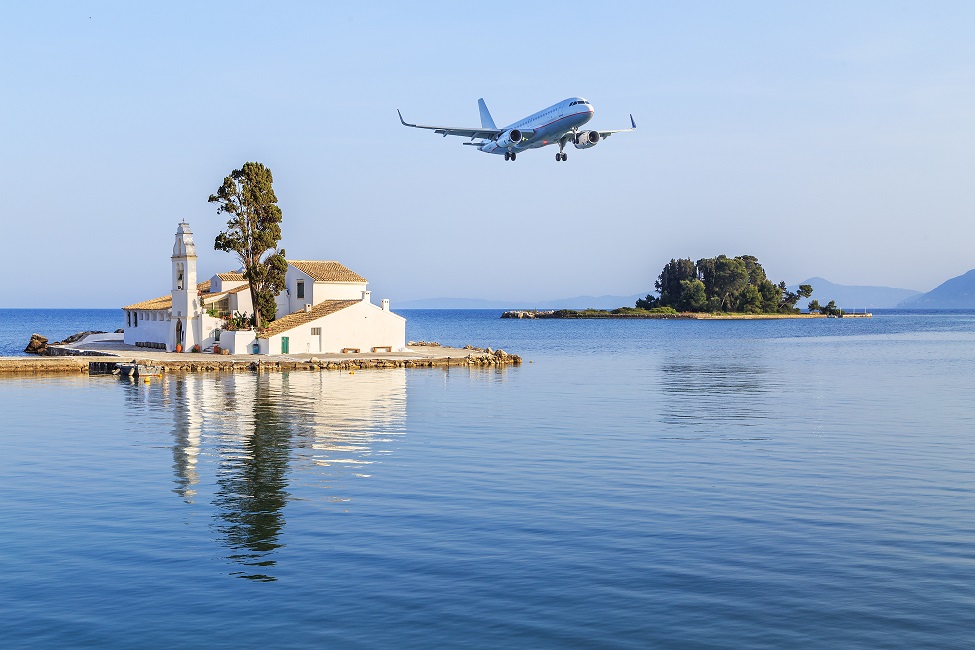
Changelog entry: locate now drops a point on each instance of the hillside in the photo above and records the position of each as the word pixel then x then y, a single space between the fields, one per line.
pixel 852 297
pixel 956 293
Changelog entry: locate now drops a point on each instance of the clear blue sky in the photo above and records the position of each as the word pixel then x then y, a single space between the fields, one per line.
pixel 830 138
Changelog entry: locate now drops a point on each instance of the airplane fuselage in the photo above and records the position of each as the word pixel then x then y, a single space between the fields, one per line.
pixel 558 124
pixel 549 125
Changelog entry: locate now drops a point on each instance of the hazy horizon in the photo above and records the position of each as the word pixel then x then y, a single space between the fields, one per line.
pixel 830 140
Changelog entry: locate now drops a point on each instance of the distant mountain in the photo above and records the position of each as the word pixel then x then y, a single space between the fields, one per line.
pixel 579 302
pixel 855 297
pixel 956 293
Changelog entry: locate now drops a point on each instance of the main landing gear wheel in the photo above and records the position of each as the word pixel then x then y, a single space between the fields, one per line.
pixel 507 156
pixel 561 156
pixel 513 154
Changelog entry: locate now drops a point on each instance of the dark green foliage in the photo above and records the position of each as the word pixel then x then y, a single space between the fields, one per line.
pixel 650 302
pixel 729 284
pixel 692 296
pixel 830 309
pixel 253 232
pixel 725 278
pixel 787 305
pixel 669 282
pixel 237 322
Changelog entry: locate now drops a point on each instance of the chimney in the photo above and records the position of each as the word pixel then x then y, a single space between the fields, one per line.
pixel 307 308
pixel 365 296
pixel 385 304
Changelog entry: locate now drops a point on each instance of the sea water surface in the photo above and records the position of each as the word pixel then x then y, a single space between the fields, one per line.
pixel 633 484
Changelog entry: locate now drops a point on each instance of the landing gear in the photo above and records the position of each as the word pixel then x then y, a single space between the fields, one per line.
pixel 507 156
pixel 561 156
pixel 513 154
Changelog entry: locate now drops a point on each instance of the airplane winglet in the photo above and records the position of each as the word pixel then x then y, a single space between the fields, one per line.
pixel 401 118
pixel 631 120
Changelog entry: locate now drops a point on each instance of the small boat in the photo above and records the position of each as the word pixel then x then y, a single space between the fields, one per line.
pixel 137 370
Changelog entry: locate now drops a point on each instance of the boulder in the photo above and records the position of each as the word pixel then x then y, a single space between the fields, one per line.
pixel 37 345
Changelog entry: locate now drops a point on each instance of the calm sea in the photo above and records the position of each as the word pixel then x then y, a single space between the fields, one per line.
pixel 637 484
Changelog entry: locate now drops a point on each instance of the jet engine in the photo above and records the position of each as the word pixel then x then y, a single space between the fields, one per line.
pixel 511 137
pixel 586 139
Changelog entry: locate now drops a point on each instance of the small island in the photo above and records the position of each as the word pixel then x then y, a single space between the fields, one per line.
pixel 719 288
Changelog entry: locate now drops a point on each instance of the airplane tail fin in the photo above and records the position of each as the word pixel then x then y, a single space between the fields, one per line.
pixel 486 121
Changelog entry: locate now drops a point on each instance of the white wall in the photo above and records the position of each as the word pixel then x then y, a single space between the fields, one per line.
pixel 237 342
pixel 323 291
pixel 362 326
pixel 315 292
pixel 241 302
pixel 217 285
pixel 288 300
pixel 163 331
pixel 152 331
pixel 207 334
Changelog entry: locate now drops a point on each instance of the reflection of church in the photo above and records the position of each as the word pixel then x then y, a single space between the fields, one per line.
pixel 241 446
pixel 324 308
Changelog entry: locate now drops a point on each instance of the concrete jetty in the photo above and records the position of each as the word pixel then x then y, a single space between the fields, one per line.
pixel 103 358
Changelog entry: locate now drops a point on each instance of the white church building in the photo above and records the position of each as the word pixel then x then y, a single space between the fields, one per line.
pixel 325 308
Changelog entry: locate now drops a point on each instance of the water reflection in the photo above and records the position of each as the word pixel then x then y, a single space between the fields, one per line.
pixel 187 430
pixel 252 484
pixel 259 435
pixel 704 391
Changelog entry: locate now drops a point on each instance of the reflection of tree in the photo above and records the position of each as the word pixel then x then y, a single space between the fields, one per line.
pixel 254 431
pixel 719 393
pixel 251 490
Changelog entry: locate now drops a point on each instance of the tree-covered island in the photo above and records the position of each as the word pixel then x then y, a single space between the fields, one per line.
pixel 722 284
pixel 718 287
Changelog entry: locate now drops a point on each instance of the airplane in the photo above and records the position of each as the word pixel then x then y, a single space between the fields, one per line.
pixel 558 124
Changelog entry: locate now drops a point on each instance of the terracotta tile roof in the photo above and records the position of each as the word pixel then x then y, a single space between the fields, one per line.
pixel 298 318
pixel 327 271
pixel 231 277
pixel 165 302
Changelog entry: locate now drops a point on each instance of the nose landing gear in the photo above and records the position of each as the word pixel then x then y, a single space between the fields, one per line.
pixel 561 156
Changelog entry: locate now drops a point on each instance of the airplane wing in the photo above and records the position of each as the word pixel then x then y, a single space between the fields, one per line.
pixel 606 134
pixel 472 133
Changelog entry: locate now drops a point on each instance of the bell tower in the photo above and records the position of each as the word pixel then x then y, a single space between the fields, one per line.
pixel 186 310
